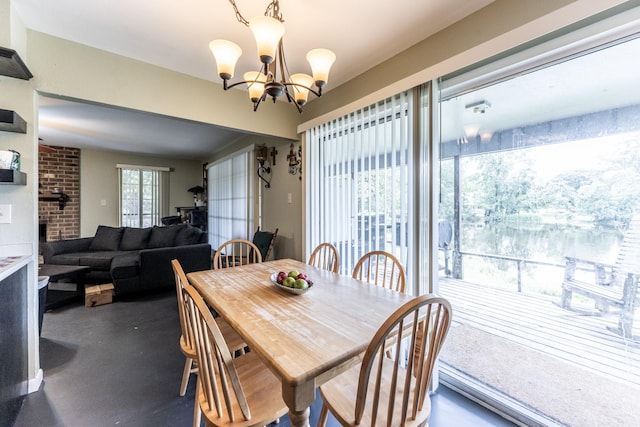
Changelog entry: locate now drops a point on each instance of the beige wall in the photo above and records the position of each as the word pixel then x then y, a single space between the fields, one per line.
pixel 99 181
pixel 72 70
pixel 277 212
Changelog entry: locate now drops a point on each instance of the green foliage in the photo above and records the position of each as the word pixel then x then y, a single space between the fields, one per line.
pixel 502 185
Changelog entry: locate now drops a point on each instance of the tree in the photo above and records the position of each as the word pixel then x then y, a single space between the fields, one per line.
pixel 503 182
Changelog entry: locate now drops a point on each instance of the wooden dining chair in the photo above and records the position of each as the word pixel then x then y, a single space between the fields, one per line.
pixel 382 269
pixel 187 339
pixel 230 392
pixel 236 252
pixel 386 391
pixel 325 256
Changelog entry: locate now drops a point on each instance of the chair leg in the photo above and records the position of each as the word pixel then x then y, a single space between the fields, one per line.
pixel 322 418
pixel 197 413
pixel 185 375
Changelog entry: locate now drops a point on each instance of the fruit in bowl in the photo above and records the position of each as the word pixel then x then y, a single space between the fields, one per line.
pixel 300 284
pixel 293 280
pixel 281 276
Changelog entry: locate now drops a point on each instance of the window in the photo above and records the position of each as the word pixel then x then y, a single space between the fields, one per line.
pixel 231 199
pixel 539 169
pixel 142 195
pixel 360 180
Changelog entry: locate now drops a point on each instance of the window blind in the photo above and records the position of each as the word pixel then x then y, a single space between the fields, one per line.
pixel 230 199
pixel 359 182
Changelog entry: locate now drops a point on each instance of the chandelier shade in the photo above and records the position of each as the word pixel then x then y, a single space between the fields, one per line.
pixel 226 54
pixel 300 89
pixel 255 83
pixel 267 32
pixel 273 79
pixel 321 61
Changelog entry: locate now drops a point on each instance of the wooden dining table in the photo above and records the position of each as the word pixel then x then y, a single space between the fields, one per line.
pixel 306 339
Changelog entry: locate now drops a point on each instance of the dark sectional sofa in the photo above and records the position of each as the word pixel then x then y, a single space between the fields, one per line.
pixel 133 259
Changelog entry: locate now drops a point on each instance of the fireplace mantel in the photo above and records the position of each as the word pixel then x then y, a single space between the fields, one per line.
pixel 61 198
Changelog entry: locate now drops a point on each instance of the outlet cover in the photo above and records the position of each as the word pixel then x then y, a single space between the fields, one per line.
pixel 5 214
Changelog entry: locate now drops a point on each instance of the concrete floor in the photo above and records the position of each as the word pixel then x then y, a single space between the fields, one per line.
pixel 120 365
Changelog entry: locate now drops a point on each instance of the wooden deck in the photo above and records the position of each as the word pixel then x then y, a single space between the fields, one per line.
pixel 537 322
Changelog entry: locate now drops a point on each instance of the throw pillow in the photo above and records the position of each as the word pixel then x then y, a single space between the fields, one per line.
pixel 162 237
pixel 106 238
pixel 134 239
pixel 188 236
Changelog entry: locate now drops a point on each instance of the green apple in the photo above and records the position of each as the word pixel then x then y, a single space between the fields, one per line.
pixel 293 274
pixel 301 284
pixel 289 282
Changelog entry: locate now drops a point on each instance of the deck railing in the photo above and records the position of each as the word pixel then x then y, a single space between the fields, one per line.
pixel 520 262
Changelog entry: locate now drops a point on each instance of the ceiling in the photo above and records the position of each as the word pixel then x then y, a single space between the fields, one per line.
pixel 147 29
pixel 598 81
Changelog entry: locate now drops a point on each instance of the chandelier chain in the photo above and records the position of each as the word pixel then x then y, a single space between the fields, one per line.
pixel 239 16
pixel 273 10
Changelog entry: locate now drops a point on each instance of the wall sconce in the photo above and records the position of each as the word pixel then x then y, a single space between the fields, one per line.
pixel 261 156
pixel 295 161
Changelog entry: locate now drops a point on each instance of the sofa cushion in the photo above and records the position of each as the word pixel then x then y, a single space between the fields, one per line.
pixel 125 266
pixel 71 258
pixel 162 237
pixel 99 259
pixel 134 239
pixel 106 238
pixel 188 236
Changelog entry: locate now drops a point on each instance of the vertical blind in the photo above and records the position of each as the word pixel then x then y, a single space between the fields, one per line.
pixel 360 180
pixel 230 199
pixel 143 199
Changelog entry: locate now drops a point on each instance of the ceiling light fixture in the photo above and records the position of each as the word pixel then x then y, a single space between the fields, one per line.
pixel 268 31
pixel 478 106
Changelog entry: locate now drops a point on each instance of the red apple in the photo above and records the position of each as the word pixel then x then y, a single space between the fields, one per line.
pixel 281 276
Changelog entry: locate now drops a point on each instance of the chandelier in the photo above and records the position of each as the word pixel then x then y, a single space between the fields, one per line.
pixel 268 31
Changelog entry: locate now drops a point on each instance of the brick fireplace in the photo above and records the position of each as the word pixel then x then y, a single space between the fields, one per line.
pixel 59 192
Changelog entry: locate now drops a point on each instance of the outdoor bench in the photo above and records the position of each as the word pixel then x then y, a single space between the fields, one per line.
pixel 611 288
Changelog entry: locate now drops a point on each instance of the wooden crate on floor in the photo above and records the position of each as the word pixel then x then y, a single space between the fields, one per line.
pixel 98 295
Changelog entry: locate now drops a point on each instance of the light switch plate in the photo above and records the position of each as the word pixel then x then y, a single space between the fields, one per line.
pixel 5 214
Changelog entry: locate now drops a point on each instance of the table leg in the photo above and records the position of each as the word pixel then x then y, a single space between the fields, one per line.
pixel 299 418
pixel 299 398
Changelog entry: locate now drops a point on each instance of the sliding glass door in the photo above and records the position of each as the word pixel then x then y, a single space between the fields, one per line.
pixel 540 180
pixel 359 182
pixel 230 198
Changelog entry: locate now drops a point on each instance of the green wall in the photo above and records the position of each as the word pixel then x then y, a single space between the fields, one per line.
pixel 99 182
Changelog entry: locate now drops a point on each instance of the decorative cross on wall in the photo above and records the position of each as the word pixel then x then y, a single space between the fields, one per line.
pixel 292 158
